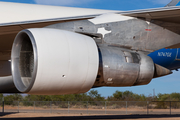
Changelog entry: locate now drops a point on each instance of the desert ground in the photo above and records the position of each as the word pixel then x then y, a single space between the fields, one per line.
pixel 53 113
pixel 57 116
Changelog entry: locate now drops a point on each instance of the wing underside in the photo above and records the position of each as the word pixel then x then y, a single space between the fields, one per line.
pixel 15 20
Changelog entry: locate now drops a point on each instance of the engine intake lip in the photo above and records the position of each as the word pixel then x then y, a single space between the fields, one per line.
pixel 16 58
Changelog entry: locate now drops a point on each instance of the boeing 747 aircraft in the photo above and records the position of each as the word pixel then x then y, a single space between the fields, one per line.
pixel 50 50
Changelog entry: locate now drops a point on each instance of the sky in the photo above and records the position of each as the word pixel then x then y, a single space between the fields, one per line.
pixel 100 4
pixel 167 84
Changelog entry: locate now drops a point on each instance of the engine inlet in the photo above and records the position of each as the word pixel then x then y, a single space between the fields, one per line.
pixel 23 61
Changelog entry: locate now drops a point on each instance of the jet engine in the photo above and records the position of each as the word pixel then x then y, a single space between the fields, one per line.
pixel 52 61
pixel 119 67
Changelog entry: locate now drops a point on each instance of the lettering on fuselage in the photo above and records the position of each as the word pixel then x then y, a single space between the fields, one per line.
pixel 164 54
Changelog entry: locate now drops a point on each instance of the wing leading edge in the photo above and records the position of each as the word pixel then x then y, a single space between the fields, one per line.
pixel 167 14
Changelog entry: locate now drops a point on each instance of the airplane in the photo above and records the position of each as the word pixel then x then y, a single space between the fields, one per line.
pixel 168 58
pixel 52 50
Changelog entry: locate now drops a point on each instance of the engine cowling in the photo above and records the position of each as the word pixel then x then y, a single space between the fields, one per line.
pixel 120 67
pixel 51 61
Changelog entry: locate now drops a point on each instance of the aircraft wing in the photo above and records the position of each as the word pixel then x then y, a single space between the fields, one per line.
pixel 38 48
pixel 166 17
pixel 167 14
pixel 16 16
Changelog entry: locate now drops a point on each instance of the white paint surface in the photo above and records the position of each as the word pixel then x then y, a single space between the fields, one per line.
pixel 62 53
pixel 103 31
pixel 18 12
pixel 148 22
pixel 110 17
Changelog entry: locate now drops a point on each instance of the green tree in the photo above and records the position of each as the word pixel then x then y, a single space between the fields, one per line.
pixel 117 96
pixel 163 97
pixel 1 96
pixel 126 96
pixel 13 97
pixel 95 96
pixel 38 98
pixel 175 96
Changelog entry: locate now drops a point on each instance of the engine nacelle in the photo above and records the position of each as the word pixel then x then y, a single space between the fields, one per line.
pixel 51 61
pixel 119 67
